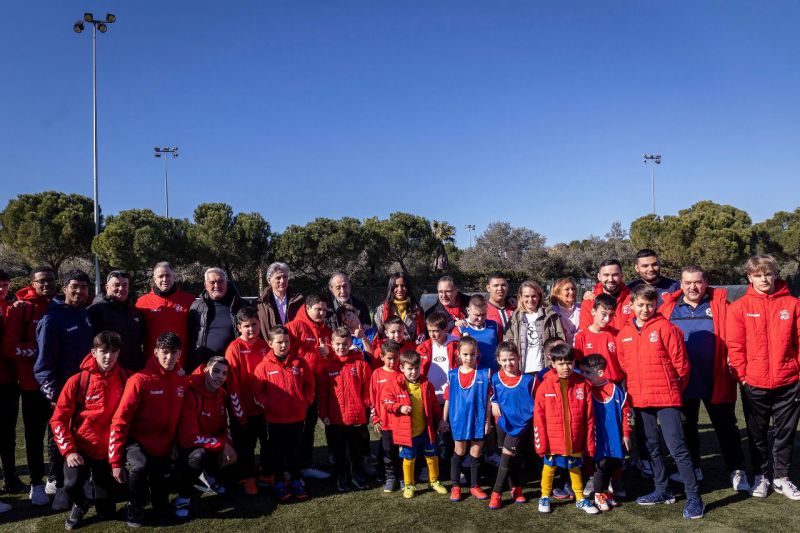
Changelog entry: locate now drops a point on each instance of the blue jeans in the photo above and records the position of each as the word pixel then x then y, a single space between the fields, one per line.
pixel 672 429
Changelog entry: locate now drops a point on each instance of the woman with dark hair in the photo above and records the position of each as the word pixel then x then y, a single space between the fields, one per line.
pixel 400 301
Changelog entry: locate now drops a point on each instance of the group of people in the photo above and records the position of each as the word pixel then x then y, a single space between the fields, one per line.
pixel 170 390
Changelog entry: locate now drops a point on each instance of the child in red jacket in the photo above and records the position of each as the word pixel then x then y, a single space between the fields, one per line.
pixel 439 352
pixel 653 356
pixel 563 425
pixel 395 330
pixel 285 389
pixel 343 395
pixel 244 355
pixel 143 428
pixel 81 423
pixel 381 377
pixel 415 418
pixel 203 437
pixel 600 337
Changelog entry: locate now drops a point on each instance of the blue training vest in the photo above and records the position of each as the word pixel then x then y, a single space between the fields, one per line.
pixel 487 343
pixel 608 425
pixel 516 403
pixel 468 406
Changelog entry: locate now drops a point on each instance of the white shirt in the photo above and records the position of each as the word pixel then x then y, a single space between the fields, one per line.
pixel 281 303
pixel 570 319
pixel 437 373
pixel 534 359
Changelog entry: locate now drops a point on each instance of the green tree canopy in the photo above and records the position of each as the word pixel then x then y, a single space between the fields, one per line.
pixel 505 248
pixel 780 236
pixel 48 227
pixel 403 239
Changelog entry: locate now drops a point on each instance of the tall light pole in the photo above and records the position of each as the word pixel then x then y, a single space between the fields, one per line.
pixel 656 160
pixel 470 228
pixel 165 152
pixel 101 25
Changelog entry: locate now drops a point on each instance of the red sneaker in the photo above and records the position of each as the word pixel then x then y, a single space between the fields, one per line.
pixel 477 493
pixel 496 502
pixel 517 496
pixel 265 481
pixel 455 494
pixel 249 485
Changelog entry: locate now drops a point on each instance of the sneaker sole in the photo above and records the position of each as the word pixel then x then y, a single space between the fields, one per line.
pixel 662 502
pixel 543 510
pixel 793 498
pixel 701 515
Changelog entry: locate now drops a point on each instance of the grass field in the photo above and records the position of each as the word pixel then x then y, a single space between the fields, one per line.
pixel 372 510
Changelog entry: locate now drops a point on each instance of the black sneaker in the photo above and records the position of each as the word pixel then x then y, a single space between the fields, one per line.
pixel 75 517
pixel 135 515
pixel 341 484
pixel 13 485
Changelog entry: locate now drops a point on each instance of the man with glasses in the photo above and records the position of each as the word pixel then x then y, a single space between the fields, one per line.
pixel 19 346
pixel 115 311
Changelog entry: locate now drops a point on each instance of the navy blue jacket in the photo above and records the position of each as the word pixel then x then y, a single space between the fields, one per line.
pixel 64 336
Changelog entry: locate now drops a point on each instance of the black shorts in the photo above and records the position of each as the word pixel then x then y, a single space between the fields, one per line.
pixel 515 443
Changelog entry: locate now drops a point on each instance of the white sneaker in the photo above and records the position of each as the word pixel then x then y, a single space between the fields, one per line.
pixel 38 496
pixel 760 487
pixel 739 481
pixel 493 460
pixel 783 486
pixel 50 488
pixel 61 501
pixel 4 507
pixel 676 477
pixel 315 473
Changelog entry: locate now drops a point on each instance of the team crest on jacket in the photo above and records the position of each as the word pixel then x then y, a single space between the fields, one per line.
pixel 709 313
pixel 653 336
pixel 353 371
pixel 579 394
pixel 784 314
pixel 179 391
pixel 179 308
pixel 612 347
pixel 295 370
pixel 626 309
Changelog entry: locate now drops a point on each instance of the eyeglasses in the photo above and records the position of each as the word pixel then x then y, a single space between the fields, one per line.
pixel 46 281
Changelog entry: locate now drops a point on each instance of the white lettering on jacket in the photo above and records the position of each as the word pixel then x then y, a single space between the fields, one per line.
pixel 73 328
pixel 754 315
pixel 156 392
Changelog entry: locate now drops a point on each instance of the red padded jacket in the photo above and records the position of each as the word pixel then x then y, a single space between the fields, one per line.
pixel 587 342
pixel 204 416
pixel 243 358
pixel 655 362
pixel 724 387
pixel 162 314
pixel 284 389
pixel 380 379
pixel 549 433
pixel 343 389
pixel 19 334
pixel 425 351
pixel 395 395
pixel 306 336
pixel 763 334
pixel 82 425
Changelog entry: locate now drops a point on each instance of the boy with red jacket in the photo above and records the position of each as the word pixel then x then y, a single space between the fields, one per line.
pixel 415 417
pixel 381 377
pixel 81 422
pixel 244 355
pixel 394 330
pixel 203 437
pixel 653 356
pixel 143 428
pixel 21 350
pixel 284 388
pixel 343 394
pixel 763 329
pixel 600 338
pixel 563 426
pixel 312 339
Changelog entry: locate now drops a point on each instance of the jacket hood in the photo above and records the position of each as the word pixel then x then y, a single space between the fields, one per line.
pixel 28 294
pixel 781 289
pixel 553 376
pixel 291 359
pixel 302 315
pixel 89 363
pixel 154 366
pixel 401 379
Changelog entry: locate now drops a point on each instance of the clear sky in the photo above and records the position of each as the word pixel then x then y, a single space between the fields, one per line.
pixel 533 112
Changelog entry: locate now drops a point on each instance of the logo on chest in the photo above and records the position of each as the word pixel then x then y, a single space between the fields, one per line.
pixel 709 313
pixel 612 347
pixel 784 314
pixel 354 371
pixel 626 309
pixel 579 394
pixel 179 308
pixel 653 336
pixel 179 391
pixel 204 413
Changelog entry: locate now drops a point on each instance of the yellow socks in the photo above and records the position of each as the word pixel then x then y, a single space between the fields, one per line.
pixel 433 468
pixel 577 483
pixel 408 471
pixel 548 475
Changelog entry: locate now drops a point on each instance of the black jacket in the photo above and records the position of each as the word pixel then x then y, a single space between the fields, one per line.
pixel 330 317
pixel 201 314
pixel 123 318
pixel 463 302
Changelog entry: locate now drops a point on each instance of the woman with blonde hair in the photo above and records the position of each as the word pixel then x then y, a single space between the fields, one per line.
pixel 532 324
pixel 564 300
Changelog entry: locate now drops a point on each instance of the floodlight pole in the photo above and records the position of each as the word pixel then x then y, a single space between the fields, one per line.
pixel 165 153
pixel 470 228
pixel 656 159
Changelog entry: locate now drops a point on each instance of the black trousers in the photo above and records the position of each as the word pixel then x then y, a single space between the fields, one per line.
pixel 36 413
pixel 604 470
pixel 309 428
pixel 9 412
pixel 782 406
pixel 147 477
pixel 285 442
pixel 669 420
pixel 346 443
pixel 723 418
pixel 75 478
pixel 389 455
pixel 244 442
pixel 191 464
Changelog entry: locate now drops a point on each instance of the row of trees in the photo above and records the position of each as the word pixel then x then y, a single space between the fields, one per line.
pixel 58 229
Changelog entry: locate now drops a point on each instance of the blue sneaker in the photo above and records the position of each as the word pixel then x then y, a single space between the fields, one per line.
pixel 694 508
pixel 390 485
pixel 655 498
pixel 587 506
pixel 298 490
pixel 544 505
pixel 282 491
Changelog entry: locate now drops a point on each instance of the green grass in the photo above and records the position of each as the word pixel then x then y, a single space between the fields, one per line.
pixel 372 510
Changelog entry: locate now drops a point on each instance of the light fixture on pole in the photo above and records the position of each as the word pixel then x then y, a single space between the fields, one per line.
pixel 656 160
pixel 102 26
pixel 470 228
pixel 166 152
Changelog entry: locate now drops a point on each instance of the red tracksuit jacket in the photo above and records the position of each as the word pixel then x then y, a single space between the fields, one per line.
pixel 243 358
pixel 655 362
pixel 343 389
pixel 724 388
pixel 623 314
pixel 86 431
pixel 425 351
pixel 306 334
pixel 377 350
pixel 763 334
pixel 204 417
pixel 549 433
pixel 604 343
pixel 19 336
pixel 162 314
pixel 284 389
pixel 395 395
pixel 148 412
pixel 380 379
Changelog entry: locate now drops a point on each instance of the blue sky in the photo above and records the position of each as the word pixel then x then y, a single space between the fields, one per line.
pixel 528 111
